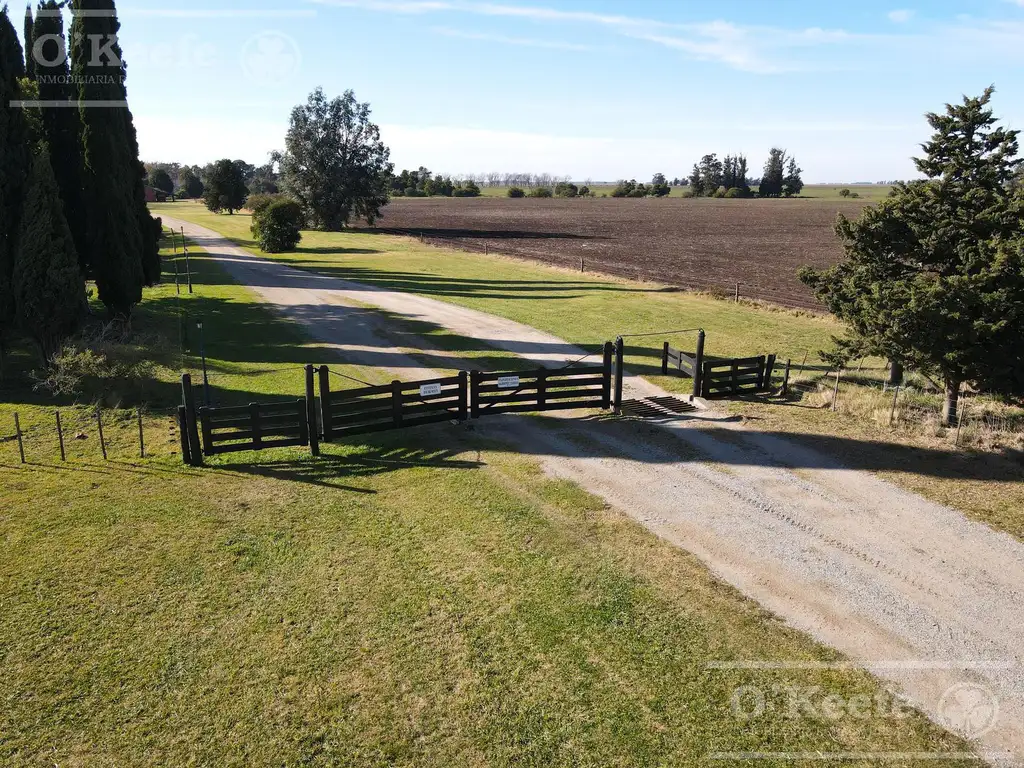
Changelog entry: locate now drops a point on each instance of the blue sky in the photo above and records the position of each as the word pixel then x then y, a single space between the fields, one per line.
pixel 588 88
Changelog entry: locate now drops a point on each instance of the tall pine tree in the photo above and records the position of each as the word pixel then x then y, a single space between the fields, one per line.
pixel 14 161
pixel 110 153
pixel 49 292
pixel 62 128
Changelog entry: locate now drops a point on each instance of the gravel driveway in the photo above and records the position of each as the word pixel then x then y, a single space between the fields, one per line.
pixel 911 590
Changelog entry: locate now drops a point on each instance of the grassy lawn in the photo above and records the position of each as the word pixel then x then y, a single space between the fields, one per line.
pixel 982 482
pixel 385 605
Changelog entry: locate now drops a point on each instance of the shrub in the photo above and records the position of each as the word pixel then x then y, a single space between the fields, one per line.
pixel 413 192
pixel 855 195
pixel 660 190
pixel 541 192
pixel 258 203
pixel 624 188
pixel 279 227
pixel 398 193
pixel 720 192
pixel 844 192
pixel 585 191
pixel 516 192
pixel 566 189
pixel 733 193
pixel 688 193
pixel 466 189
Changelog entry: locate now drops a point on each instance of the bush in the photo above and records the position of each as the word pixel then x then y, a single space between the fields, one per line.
pixel 413 192
pixel 585 191
pixel 541 192
pixel 688 193
pixel 720 192
pixel 660 190
pixel 516 192
pixel 566 189
pixel 398 193
pixel 844 192
pixel 104 370
pixel 279 227
pixel 733 193
pixel 466 189
pixel 257 204
pixel 624 189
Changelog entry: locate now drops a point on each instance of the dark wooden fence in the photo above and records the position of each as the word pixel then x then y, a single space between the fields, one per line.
pixel 584 386
pixel 254 427
pixel 721 378
pixel 391 406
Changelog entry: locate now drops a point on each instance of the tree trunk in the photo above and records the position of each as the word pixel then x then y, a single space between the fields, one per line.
pixel 951 407
pixel 895 374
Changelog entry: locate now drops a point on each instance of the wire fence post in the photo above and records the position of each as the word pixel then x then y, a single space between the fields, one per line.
pixel 99 423
pixel 737 293
pixel 785 380
pixel 60 438
pixel 17 431
pixel 142 438
pixel 892 413
pixel 960 424
pixel 188 264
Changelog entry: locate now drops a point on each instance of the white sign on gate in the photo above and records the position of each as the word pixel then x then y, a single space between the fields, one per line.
pixel 508 382
pixel 429 390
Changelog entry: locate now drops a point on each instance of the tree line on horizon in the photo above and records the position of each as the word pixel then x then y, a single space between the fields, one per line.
pixel 72 188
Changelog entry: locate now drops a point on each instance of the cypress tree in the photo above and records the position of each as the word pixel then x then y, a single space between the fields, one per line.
pixel 110 156
pixel 30 64
pixel 62 128
pixel 49 292
pixel 14 160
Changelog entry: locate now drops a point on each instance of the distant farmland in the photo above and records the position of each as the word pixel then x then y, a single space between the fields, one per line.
pixel 703 244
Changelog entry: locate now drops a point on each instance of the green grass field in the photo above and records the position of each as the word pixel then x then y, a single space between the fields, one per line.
pixel 385 605
pixel 867 192
pixel 587 310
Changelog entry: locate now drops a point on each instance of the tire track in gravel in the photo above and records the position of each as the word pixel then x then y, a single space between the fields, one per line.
pixel 905 587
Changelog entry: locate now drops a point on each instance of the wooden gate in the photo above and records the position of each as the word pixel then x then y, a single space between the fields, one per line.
pixel 390 406
pixel 583 386
pixel 721 378
pixel 254 427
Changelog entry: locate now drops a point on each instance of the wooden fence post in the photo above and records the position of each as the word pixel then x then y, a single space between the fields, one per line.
pixel 325 403
pixel 769 369
pixel 698 365
pixel 620 354
pixel 737 293
pixel 474 400
pixel 257 427
pixel 60 439
pixel 664 359
pixel 186 452
pixel 606 387
pixel 314 429
pixel 142 437
pixel 785 380
pixel 463 396
pixel 191 424
pixel 396 402
pixel 17 431
pixel 99 423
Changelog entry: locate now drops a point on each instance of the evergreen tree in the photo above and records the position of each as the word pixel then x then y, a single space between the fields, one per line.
pixel 113 195
pixel 14 162
pixel 30 63
pixel 696 182
pixel 62 128
pixel 225 187
pixel 774 174
pixel 161 179
pixel 741 172
pixel 191 185
pixel 792 184
pixel 49 292
pixel 934 275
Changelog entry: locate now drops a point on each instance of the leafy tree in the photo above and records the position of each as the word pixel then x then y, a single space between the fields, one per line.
pixel 792 184
pixel 113 201
pixel 61 128
pixel 566 189
pixel 161 179
pixel 190 185
pixel 49 291
pixel 225 187
pixel 934 275
pixel 466 188
pixel 335 163
pixel 773 180
pixel 624 188
pixel 659 186
pixel 14 163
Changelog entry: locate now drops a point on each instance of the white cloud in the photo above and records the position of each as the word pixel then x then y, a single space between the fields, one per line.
pixel 526 42
pixel 903 15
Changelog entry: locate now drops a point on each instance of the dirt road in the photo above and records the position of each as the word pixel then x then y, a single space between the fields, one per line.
pixel 909 589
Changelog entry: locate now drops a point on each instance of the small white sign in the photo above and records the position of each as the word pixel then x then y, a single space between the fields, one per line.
pixel 429 390
pixel 508 382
